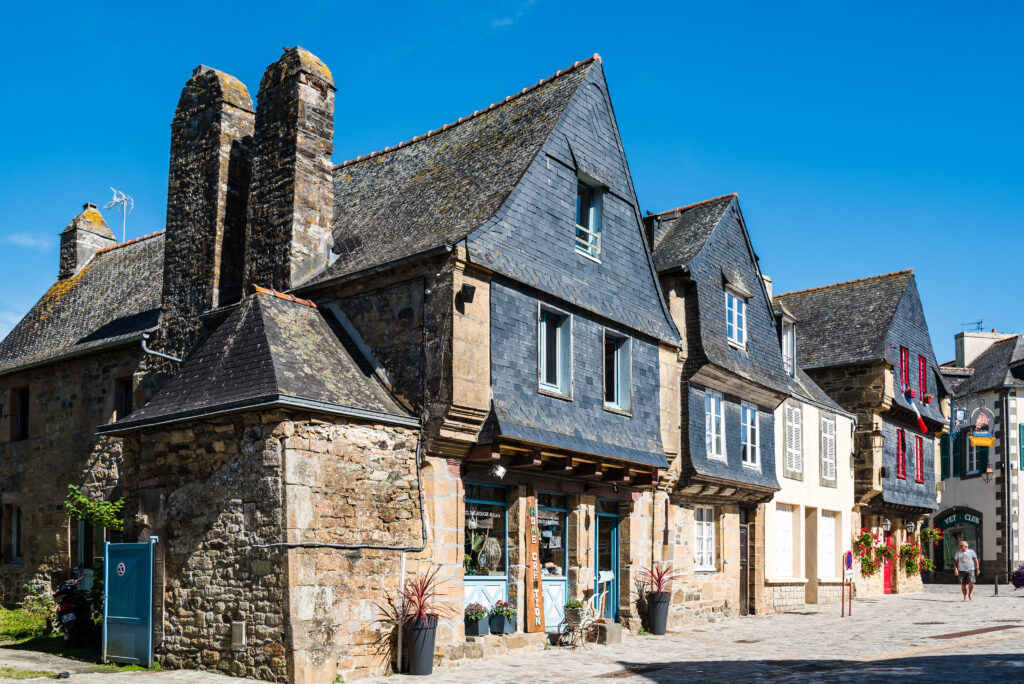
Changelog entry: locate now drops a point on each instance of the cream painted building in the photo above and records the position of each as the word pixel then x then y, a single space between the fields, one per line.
pixel 808 522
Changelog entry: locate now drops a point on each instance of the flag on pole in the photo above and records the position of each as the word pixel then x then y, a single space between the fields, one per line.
pixel 920 420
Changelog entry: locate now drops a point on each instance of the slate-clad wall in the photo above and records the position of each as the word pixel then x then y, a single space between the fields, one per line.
pixel 727 250
pixel 907 492
pixel 532 238
pixel 514 376
pixel 910 329
pixel 733 469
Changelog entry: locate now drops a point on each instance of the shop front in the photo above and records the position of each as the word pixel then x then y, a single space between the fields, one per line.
pixel 957 524
pixel 486 544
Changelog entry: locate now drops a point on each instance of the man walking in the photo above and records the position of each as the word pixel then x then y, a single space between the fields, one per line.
pixel 966 569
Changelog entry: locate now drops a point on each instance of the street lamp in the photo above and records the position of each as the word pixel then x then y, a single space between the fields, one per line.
pixel 987 475
pixel 911 526
pixel 877 439
pixel 886 524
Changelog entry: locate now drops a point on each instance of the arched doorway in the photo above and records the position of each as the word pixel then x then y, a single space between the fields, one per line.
pixel 957 524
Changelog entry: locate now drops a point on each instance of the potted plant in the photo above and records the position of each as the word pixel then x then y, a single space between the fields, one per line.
pixel 910 392
pixel 476 620
pixel 864 542
pixel 420 608
pixel 573 612
pixel 503 617
pixel 928 398
pixel 659 595
pixel 1017 577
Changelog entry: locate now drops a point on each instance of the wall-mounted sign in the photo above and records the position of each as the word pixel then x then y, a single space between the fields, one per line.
pixel 982 422
pixel 960 519
pixel 534 621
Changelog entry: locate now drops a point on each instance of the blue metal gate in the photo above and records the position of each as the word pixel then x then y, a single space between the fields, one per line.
pixel 128 603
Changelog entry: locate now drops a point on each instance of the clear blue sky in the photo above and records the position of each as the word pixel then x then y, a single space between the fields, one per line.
pixel 862 138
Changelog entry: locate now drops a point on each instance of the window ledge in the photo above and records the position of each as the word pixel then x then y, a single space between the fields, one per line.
pixel 596 259
pixel 705 571
pixel 785 580
pixel 716 457
pixel 615 409
pixel 752 466
pixel 737 346
pixel 554 393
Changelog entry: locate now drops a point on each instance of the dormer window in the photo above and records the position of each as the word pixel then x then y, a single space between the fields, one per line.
pixel 904 369
pixel 789 346
pixel 736 318
pixel 922 376
pixel 588 220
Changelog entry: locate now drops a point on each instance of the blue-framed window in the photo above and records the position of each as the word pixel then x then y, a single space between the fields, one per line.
pixel 589 205
pixel 554 346
pixel 617 375
pixel 553 526
pixel 486 545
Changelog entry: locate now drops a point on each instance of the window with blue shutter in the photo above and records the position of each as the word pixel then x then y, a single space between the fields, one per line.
pixel 958 456
pixel 944 456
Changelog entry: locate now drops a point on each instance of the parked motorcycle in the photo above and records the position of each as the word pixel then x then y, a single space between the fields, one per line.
pixel 74 613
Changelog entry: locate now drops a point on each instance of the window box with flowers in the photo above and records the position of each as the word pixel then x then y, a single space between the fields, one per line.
pixel 910 392
pixel 928 398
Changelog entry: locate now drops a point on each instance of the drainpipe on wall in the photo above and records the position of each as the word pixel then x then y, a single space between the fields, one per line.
pixel 1007 479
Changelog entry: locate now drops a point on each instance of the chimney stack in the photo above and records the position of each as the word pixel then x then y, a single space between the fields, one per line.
pixel 291 198
pixel 84 236
pixel 971 344
pixel 207 191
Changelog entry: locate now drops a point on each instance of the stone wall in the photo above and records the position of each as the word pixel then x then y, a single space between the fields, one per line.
pixel 67 400
pixel 783 596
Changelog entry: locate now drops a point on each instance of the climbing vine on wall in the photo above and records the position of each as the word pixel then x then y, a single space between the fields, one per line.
pixel 98 513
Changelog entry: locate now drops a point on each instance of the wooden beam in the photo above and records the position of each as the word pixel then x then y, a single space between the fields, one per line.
pixel 617 476
pixel 589 470
pixel 531 459
pixel 484 453
pixel 647 479
pixel 561 466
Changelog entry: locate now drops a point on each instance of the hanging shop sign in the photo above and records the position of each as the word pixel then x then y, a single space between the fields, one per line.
pixel 534 621
pixel 982 421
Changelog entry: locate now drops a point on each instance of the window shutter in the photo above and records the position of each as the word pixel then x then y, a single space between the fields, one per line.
pixel 958 456
pixel 901 454
pixel 922 375
pixel 784 543
pixel 944 456
pixel 918 459
pixel 982 459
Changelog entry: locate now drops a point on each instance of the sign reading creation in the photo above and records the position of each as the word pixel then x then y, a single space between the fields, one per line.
pixel 534 621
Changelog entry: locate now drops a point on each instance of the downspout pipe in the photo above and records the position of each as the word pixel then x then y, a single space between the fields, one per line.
pixel 151 352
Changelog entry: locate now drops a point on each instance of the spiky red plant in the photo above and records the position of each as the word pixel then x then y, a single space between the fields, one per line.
pixel 420 598
pixel 660 576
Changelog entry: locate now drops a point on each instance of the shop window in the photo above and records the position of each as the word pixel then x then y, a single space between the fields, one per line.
pixel 552 523
pixel 714 425
pixel 555 351
pixel 19 414
pixel 736 318
pixel 828 450
pixel 784 540
pixel 748 416
pixel 589 204
pixel 901 454
pixel 616 371
pixel 794 440
pixel 486 549
pixel 704 538
pixel 123 399
pixel 918 458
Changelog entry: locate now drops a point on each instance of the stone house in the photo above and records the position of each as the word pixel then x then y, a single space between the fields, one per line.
pixel 983 482
pixel 732 382
pixel 808 522
pixel 867 345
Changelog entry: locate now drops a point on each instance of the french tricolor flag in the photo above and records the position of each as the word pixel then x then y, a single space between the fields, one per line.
pixel 913 404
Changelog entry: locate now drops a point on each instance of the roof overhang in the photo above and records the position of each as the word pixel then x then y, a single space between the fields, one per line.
pixel 74 353
pixel 726 381
pixel 258 403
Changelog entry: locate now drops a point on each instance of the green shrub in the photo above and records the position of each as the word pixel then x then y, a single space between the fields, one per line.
pixel 21 624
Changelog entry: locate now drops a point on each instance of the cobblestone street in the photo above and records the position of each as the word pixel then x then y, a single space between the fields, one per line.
pixel 892 638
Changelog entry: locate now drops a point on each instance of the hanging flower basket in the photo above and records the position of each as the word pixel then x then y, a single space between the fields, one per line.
pixel 910 555
pixel 927 565
pixel 864 542
pixel 886 551
pixel 869 566
pixel 931 534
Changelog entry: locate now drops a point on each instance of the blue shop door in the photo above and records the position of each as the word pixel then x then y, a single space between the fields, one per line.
pixel 128 603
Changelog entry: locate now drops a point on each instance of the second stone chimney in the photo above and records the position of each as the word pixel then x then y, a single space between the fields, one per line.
pixel 87 234
pixel 291 198
pixel 971 344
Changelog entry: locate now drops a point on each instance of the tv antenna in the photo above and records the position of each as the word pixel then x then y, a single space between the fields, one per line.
pixel 127 204
pixel 977 325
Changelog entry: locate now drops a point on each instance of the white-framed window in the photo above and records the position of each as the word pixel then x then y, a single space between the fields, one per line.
pixel 617 371
pixel 827 545
pixel 704 538
pixel 973 461
pixel 554 341
pixel 736 318
pixel 783 540
pixel 714 425
pixel 828 449
pixel 789 346
pixel 748 413
pixel 589 206
pixel 794 440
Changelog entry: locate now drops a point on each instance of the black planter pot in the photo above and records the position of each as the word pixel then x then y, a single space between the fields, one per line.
pixel 476 627
pixel 657 611
pixel 419 641
pixel 502 625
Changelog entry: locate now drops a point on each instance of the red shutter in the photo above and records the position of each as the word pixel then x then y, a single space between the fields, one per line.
pixel 901 454
pixel 919 459
pixel 922 376
pixel 905 367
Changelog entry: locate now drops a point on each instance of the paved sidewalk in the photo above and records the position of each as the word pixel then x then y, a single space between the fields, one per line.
pixel 886 638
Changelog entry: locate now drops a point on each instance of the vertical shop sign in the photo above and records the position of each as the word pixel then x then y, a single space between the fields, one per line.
pixel 534 593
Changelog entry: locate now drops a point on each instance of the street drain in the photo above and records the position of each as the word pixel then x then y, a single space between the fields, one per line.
pixel 933 623
pixel 629 671
pixel 749 641
pixel 972 632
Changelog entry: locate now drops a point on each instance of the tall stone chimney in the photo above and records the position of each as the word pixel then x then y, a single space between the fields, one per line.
pixel 207 192
pixel 87 234
pixel 291 198
pixel 971 344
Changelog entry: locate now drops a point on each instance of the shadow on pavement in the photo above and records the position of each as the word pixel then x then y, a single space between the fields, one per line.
pixel 1002 667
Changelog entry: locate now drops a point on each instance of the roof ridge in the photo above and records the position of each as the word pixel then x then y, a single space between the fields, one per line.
pixel 595 58
pixel 130 242
pixel 846 282
pixel 942 365
pixel 695 204
pixel 281 295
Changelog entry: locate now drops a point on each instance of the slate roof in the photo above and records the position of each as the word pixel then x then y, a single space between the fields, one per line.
pixel 435 189
pixel 680 234
pixel 272 348
pixel 955 376
pixel 846 323
pixel 993 368
pixel 807 389
pixel 113 298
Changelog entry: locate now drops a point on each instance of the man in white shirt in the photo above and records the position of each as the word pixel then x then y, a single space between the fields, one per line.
pixel 966 568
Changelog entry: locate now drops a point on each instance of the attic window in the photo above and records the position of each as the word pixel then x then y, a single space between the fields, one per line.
pixel 789 346
pixel 588 220
pixel 736 318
